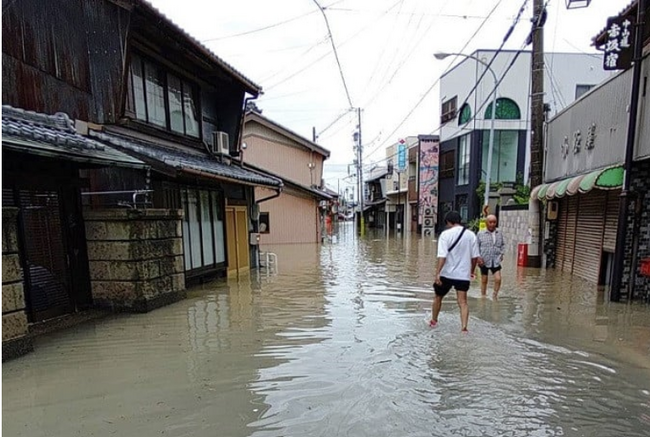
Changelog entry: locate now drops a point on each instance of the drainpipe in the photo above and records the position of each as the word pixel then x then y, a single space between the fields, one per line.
pixel 619 253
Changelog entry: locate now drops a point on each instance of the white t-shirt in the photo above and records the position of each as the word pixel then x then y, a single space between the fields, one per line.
pixel 458 262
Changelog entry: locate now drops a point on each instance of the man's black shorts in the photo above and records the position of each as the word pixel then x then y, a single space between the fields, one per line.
pixel 443 289
pixel 484 270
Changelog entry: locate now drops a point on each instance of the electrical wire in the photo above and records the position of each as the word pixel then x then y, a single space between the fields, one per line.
pixel 336 54
pixel 388 138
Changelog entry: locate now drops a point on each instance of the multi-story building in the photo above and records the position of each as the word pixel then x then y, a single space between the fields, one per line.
pixel 298 162
pixel 466 119
pixel 152 195
pixel 584 173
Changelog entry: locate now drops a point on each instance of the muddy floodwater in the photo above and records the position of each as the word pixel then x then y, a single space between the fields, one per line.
pixel 336 344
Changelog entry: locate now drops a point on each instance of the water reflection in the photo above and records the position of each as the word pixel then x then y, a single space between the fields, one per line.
pixel 336 344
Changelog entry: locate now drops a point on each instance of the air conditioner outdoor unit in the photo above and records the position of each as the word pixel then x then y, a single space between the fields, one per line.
pixel 428 211
pixel 220 143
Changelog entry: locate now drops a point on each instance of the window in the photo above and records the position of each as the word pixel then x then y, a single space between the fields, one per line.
pixel 203 228
pixel 264 223
pixel 465 114
pixel 448 110
pixel 582 89
pixel 162 99
pixel 463 160
pixel 506 109
pixel 504 156
pixel 447 164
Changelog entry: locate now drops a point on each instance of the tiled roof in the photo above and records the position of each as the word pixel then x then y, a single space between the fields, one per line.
pixel 55 136
pixel 185 159
pixel 253 88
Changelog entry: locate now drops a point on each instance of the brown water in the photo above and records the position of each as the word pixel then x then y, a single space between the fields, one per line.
pixel 337 344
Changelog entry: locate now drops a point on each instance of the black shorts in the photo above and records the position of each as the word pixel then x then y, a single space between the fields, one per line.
pixel 443 289
pixel 485 270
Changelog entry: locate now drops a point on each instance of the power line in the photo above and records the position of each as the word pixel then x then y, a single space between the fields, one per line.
pixel 388 138
pixel 270 26
pixel 261 29
pixel 336 55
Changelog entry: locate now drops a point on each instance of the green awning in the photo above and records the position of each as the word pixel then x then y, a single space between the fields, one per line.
pixel 610 178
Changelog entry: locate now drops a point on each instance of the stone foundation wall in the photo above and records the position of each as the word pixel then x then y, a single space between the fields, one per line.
pixel 135 258
pixel 15 339
pixel 639 185
pixel 514 224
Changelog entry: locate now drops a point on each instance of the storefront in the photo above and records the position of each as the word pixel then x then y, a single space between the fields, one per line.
pixel 581 221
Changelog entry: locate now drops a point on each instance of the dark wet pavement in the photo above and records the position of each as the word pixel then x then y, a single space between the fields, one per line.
pixel 337 344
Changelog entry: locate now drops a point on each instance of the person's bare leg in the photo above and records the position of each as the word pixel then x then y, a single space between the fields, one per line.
pixel 461 297
pixel 484 284
pixel 435 309
pixel 497 283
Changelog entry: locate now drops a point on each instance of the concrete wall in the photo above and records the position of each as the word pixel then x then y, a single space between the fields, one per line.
pixel 135 257
pixel 604 112
pixel 15 341
pixel 513 223
pixel 274 152
pixel 293 218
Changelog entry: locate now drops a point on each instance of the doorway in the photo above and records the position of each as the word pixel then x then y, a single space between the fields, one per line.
pixel 237 240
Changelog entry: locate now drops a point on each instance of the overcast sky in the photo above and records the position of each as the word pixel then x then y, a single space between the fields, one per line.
pixel 385 50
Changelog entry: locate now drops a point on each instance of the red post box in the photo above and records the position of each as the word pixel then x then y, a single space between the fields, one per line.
pixel 522 255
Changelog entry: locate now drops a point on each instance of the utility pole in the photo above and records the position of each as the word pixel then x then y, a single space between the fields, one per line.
pixel 626 194
pixel 537 126
pixel 360 174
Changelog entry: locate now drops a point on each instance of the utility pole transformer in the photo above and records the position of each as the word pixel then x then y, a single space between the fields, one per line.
pixel 537 126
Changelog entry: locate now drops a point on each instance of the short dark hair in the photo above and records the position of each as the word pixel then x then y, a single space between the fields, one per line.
pixel 453 217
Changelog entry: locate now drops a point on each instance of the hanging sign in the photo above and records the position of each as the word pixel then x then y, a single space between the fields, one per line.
pixel 618 46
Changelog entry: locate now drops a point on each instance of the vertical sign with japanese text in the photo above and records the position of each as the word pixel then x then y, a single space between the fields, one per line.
pixel 618 46
pixel 401 156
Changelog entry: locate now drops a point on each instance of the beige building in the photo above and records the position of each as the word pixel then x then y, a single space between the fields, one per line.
pixel 298 214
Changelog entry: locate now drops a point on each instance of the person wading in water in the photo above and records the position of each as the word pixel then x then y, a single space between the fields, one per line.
pixel 491 247
pixel 457 257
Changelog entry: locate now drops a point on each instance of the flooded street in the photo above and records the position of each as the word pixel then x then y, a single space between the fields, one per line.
pixel 337 344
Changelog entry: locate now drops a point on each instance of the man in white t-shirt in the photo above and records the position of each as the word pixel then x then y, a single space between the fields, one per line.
pixel 457 257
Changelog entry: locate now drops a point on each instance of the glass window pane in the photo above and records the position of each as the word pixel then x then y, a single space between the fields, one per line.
pixel 206 228
pixel 504 156
pixel 195 232
pixel 186 231
pixel 191 114
pixel 175 95
pixel 138 88
pixel 463 160
pixel 219 240
pixel 155 95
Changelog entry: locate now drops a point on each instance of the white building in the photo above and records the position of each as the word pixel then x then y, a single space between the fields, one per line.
pixel 465 118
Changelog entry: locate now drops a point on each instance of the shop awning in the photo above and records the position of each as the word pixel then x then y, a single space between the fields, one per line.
pixel 610 178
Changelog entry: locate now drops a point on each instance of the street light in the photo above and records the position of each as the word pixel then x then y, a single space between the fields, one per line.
pixel 441 56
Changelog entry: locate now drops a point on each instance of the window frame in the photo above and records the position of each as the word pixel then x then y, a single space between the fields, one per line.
pixel 447 164
pixel 463 160
pixel 194 94
pixel 448 111
pixel 266 220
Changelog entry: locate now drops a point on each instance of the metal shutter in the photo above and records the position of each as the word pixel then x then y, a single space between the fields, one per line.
pixel 611 221
pixel 567 233
pixel 562 220
pixel 589 235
